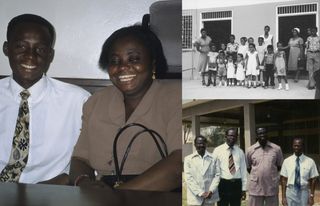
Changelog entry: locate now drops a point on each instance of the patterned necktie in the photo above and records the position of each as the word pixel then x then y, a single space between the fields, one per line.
pixel 297 183
pixel 20 144
pixel 232 168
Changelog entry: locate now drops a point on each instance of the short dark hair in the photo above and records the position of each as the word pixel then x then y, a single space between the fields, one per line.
pixel 260 37
pixel 146 37
pixel 270 46
pixel 261 128
pixel 267 26
pixel 244 38
pixel 298 138
pixel 241 55
pixel 203 29
pixel 314 27
pixel 232 128
pixel 199 136
pixel 30 18
pixel 252 44
pixel 232 35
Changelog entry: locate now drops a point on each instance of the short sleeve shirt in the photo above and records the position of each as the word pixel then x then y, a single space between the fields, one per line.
pixel 264 163
pixel 308 169
pixel 313 43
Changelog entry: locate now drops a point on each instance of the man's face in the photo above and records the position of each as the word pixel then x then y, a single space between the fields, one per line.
pixel 313 32
pixel 30 52
pixel 231 137
pixel 262 136
pixel 266 29
pixel 200 145
pixel 297 147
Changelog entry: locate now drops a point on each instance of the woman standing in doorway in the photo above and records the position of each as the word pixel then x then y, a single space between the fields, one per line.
pixel 296 51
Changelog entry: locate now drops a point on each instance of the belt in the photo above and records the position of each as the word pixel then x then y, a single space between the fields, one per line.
pixel 231 180
pixel 314 51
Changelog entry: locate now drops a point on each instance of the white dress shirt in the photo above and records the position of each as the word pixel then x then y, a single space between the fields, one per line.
pixel 55 121
pixel 202 174
pixel 222 153
pixel 308 169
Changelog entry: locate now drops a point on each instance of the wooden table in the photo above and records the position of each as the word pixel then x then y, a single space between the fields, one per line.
pixel 13 194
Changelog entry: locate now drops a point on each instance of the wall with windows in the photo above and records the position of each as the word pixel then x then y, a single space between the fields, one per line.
pixel 248 21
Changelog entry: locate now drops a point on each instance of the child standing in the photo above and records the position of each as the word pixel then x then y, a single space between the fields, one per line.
pixel 252 67
pixel 240 70
pixel 261 49
pixel 243 47
pixel 222 73
pixel 212 66
pixel 269 67
pixel 280 64
pixel 223 48
pixel 230 71
pixel 232 48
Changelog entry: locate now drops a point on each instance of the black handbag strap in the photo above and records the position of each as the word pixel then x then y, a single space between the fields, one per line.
pixel 155 136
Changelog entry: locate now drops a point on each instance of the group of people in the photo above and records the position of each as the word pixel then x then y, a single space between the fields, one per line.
pixel 252 65
pixel 56 133
pixel 221 176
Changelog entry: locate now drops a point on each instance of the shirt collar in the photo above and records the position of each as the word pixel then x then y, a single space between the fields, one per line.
pixel 206 154
pixel 36 91
pixel 301 157
pixel 257 145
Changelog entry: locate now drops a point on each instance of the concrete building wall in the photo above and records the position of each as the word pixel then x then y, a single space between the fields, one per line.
pixel 248 21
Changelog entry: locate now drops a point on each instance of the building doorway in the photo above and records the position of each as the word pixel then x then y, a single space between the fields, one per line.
pixel 219 31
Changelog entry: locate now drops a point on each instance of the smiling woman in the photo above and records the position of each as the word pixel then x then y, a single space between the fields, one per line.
pixel 131 56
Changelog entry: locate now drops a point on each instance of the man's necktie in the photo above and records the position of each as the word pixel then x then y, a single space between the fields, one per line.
pixel 20 144
pixel 297 183
pixel 232 168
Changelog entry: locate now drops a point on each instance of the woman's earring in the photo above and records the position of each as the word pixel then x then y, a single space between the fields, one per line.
pixel 153 75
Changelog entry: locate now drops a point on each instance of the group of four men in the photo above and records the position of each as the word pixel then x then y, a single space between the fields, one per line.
pixel 222 176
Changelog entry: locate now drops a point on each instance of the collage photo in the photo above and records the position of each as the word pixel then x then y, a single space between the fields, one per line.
pixel 160 102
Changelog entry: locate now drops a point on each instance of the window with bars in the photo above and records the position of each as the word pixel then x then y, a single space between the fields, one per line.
pixel 304 8
pixel 217 15
pixel 187 32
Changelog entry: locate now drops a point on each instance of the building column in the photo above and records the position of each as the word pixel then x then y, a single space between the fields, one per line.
pixel 249 124
pixel 195 127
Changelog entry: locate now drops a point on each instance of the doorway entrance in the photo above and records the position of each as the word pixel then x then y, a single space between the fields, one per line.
pixel 219 31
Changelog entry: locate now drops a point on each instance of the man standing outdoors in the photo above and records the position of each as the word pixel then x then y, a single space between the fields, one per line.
pixel 202 175
pixel 233 181
pixel 298 177
pixel 203 47
pixel 264 160
pixel 40 116
pixel 313 56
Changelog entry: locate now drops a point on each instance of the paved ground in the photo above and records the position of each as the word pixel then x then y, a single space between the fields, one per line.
pixel 192 89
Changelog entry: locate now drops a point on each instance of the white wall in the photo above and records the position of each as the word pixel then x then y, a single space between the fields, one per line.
pixel 81 27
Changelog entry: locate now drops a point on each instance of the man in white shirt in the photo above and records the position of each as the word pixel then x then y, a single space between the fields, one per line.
pixel 298 177
pixel 233 182
pixel 202 175
pixel 36 146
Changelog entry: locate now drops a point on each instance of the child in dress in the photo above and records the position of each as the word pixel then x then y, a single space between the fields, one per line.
pixel 230 71
pixel 232 48
pixel 269 67
pixel 243 47
pixel 261 49
pixel 280 64
pixel 252 68
pixel 223 48
pixel 212 66
pixel 240 70
pixel 222 71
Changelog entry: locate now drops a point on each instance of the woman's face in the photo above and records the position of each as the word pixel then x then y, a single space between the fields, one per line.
pixel 130 66
pixel 294 32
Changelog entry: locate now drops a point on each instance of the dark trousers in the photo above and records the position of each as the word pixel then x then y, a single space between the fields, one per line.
pixel 269 75
pixel 230 192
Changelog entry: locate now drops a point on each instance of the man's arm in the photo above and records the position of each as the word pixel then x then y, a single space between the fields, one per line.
pixel 283 188
pixel 165 175
pixel 312 183
pixel 62 179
